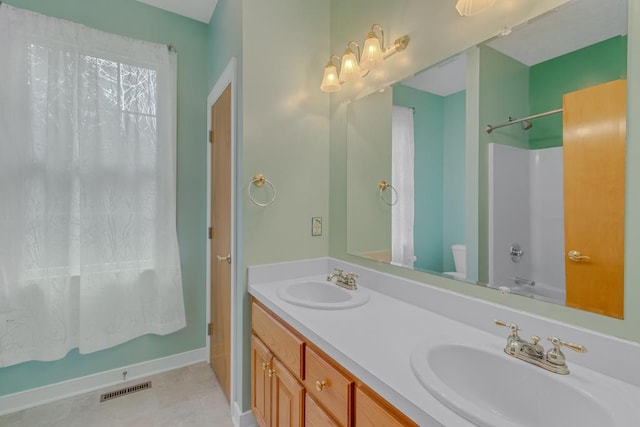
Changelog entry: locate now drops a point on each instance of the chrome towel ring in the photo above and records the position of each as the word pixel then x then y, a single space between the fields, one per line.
pixel 382 186
pixel 259 180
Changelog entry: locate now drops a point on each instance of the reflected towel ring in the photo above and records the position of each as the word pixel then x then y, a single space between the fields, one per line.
pixel 382 186
pixel 259 180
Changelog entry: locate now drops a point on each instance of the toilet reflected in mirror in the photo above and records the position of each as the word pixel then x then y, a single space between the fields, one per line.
pixel 459 253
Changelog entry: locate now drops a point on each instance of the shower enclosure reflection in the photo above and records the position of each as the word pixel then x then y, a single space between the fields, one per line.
pixel 523 104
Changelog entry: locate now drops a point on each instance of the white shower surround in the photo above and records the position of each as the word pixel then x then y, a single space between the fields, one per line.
pixel 526 207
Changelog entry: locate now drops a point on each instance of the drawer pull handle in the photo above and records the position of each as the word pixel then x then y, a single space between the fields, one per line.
pixel 264 366
pixel 272 372
pixel 320 385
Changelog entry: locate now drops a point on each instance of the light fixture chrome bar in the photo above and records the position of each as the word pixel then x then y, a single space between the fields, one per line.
pixel 491 128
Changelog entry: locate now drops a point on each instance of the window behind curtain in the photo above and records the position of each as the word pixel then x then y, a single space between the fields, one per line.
pixel 88 247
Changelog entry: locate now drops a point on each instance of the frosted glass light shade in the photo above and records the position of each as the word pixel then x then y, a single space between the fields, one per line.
pixel 473 7
pixel 330 82
pixel 371 53
pixel 350 70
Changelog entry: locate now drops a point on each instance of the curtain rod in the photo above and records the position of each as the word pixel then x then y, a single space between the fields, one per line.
pixel 170 46
pixel 490 128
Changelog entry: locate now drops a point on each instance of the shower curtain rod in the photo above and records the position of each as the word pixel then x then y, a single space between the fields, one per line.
pixel 490 128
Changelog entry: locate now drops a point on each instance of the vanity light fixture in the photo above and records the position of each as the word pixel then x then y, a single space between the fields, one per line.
pixel 354 67
pixel 372 55
pixel 330 81
pixel 473 7
pixel 350 69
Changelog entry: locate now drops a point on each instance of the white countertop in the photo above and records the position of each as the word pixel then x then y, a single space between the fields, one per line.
pixel 375 341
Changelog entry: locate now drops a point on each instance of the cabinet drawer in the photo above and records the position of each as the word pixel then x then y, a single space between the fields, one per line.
pixel 283 344
pixel 328 386
pixel 372 411
pixel 315 416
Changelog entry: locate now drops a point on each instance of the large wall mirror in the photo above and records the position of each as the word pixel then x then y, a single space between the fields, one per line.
pixel 547 179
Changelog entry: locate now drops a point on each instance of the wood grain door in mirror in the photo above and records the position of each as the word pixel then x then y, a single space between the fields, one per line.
pixel 594 134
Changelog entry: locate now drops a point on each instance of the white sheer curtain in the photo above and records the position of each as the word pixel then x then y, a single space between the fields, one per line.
pixel 402 179
pixel 88 247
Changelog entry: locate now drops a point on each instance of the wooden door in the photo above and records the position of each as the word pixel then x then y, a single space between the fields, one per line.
pixel 261 360
pixel 220 344
pixel 594 134
pixel 287 398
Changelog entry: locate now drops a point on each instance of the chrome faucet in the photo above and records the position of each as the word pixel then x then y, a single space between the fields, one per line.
pixel 344 280
pixel 552 360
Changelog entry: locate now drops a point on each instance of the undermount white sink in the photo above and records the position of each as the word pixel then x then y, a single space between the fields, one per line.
pixel 322 295
pixel 490 388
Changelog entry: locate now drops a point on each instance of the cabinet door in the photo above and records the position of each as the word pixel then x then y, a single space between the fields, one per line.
pixel 372 411
pixel 287 398
pixel 261 360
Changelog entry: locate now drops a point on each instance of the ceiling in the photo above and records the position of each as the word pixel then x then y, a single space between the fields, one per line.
pixel 200 10
pixel 572 26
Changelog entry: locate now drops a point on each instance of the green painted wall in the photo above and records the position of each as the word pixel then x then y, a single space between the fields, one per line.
pixel 428 123
pixel 439 174
pixel 134 19
pixel 549 80
pixel 454 176
pixel 285 45
pixel 369 155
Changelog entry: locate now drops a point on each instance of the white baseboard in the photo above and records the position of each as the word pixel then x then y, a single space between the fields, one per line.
pixel 242 419
pixel 41 395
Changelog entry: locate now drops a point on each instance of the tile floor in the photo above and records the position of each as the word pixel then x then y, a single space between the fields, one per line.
pixel 189 396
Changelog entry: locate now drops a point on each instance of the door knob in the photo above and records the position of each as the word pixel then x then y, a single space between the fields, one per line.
pixel 576 256
pixel 225 258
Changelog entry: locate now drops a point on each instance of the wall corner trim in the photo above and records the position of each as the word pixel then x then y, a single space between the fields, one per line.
pixel 242 419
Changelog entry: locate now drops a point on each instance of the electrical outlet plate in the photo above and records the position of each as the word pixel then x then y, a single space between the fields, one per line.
pixel 316 226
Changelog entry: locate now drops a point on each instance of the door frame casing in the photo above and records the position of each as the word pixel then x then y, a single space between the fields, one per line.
pixel 228 77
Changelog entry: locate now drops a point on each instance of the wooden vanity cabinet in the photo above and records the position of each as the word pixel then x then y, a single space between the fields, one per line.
pixel 315 416
pixel 261 359
pixel 373 411
pixel 293 383
pixel 284 344
pixel 328 385
pixel 287 397
pixel 277 398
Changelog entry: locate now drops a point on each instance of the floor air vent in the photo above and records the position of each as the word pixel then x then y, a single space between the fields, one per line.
pixel 124 391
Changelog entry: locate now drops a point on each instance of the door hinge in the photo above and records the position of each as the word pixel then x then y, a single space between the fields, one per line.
pixel 211 136
pixel 210 329
pixel 211 233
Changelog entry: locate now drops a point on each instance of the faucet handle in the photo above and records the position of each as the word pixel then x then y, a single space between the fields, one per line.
pixel 557 343
pixel 514 328
pixel 338 270
pixel 556 357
